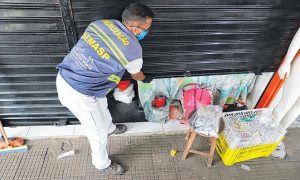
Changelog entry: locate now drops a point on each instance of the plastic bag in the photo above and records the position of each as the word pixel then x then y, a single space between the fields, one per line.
pixel 158 115
pixel 124 96
pixel 251 128
pixel 206 120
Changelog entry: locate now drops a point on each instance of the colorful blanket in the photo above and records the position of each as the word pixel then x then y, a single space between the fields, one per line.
pixel 226 90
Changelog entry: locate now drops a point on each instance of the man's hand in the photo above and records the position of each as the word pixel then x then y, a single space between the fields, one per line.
pixel 140 76
pixel 284 69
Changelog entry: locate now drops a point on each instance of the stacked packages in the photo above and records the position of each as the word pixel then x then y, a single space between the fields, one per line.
pixel 206 120
pixel 250 128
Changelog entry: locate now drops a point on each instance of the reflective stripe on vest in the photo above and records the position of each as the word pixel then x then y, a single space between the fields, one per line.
pixel 109 43
pixel 114 78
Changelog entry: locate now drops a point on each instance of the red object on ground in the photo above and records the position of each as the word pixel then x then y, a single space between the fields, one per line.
pixel 272 89
pixel 159 102
pixel 123 85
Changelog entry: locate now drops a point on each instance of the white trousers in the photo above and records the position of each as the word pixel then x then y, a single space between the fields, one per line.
pixel 94 116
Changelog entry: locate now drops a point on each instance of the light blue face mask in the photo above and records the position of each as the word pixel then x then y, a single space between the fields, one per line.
pixel 142 35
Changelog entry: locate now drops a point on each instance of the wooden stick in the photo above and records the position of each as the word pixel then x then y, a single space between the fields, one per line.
pixel 212 151
pixel 4 134
pixel 189 145
pixel 188 134
pixel 199 153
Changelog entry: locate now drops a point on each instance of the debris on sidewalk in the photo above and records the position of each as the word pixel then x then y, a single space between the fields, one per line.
pixel 279 152
pixel 245 167
pixel 11 145
pixel 68 153
pixel 66 146
pixel 173 152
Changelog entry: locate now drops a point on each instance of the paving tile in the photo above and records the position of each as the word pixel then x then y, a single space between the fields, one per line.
pixel 163 162
pixel 142 163
pixel 190 174
pixel 231 173
pixel 143 158
pixel 9 164
pixel 162 144
pixel 122 177
pixel 169 175
pixel 145 176
pixel 141 145
pixel 258 171
pixel 288 170
pixel 119 145
pixel 191 162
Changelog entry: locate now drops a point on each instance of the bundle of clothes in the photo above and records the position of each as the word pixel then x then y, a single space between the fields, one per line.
pixel 228 91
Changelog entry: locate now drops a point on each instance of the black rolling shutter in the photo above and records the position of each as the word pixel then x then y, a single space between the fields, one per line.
pixel 187 37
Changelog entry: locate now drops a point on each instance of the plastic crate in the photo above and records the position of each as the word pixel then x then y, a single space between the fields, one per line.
pixel 250 128
pixel 232 156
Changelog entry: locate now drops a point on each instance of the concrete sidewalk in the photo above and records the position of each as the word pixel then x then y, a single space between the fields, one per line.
pixel 144 157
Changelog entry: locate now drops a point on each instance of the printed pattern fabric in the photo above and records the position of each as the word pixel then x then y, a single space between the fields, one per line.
pixel 226 90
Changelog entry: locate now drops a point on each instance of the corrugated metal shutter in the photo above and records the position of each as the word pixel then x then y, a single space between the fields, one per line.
pixel 32 41
pixel 187 37
pixel 207 36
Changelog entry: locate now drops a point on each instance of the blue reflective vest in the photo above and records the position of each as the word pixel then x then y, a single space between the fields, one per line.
pixel 96 63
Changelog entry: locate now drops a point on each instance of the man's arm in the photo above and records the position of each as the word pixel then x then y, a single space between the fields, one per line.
pixel 134 68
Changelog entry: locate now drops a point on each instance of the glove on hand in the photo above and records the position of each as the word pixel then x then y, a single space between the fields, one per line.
pixel 148 78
